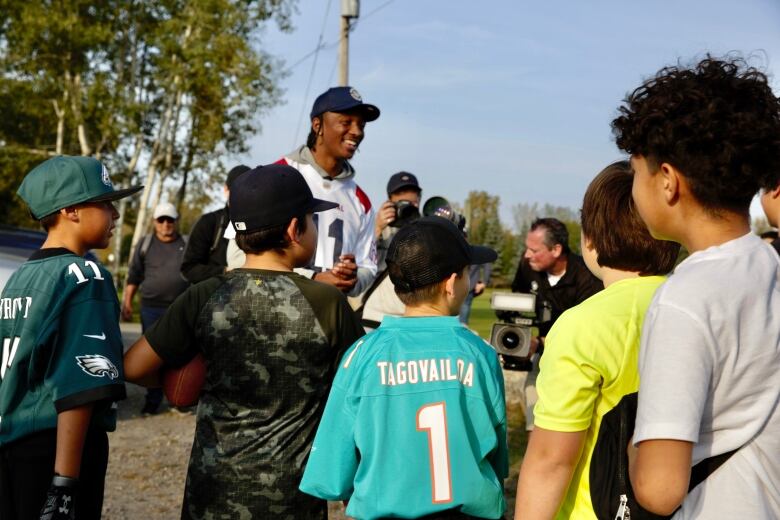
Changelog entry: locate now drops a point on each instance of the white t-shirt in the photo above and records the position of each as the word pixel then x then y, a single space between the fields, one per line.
pixel 709 367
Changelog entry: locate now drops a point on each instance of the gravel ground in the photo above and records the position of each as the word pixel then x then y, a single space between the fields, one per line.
pixel 148 457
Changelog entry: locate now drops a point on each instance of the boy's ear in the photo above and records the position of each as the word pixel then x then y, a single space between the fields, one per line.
pixel 71 213
pixel 449 284
pixel 292 231
pixel 672 181
pixel 775 193
pixel 586 243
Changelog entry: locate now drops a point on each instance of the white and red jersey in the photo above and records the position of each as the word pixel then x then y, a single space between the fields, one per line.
pixel 346 229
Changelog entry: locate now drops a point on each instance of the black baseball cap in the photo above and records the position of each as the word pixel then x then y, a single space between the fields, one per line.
pixel 235 173
pixel 429 250
pixel 402 180
pixel 271 195
pixel 341 99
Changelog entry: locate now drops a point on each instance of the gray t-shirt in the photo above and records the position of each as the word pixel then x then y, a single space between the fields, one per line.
pixel 158 272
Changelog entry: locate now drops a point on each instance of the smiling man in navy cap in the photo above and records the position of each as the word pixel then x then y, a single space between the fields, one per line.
pixel 346 249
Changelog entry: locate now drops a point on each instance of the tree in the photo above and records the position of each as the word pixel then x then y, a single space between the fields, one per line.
pixel 485 228
pixel 156 89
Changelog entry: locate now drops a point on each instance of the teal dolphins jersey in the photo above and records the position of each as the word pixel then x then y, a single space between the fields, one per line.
pixel 415 424
pixel 62 348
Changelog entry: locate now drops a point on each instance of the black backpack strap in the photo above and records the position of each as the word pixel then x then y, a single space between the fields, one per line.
pixel 707 467
pixel 219 231
pixel 366 295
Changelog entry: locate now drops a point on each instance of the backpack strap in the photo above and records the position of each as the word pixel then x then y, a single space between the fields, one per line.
pixel 219 230
pixel 146 243
pixel 707 467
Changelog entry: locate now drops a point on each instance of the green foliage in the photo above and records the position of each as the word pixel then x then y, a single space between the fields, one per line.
pixel 178 84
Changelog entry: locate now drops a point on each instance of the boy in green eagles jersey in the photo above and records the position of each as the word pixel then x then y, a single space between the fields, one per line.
pixel 62 350
pixel 589 364
pixel 271 339
pixel 415 424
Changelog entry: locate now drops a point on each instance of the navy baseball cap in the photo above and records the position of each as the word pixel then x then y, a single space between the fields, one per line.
pixel 428 251
pixel 271 195
pixel 402 180
pixel 342 99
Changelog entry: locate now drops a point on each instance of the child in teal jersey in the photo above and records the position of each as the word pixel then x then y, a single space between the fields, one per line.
pixel 415 423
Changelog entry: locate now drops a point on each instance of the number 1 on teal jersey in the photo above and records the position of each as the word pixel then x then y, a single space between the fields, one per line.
pixel 433 419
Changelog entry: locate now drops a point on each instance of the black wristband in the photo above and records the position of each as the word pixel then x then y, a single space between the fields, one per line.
pixel 63 481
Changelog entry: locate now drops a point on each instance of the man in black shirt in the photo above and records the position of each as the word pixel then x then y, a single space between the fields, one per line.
pixel 559 279
pixel 206 253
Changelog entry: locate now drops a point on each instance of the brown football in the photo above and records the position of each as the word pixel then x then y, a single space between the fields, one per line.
pixel 182 385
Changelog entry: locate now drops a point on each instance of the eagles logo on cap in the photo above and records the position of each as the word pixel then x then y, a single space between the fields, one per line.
pixel 105 178
pixel 355 94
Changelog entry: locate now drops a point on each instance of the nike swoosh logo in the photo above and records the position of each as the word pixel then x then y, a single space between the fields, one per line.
pixel 101 337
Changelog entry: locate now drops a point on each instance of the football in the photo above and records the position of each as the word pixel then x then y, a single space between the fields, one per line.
pixel 182 385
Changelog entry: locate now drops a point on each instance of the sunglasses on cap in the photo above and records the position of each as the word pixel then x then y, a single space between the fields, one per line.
pixel 169 220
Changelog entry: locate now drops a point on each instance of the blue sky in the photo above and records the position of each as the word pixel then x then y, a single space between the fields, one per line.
pixel 510 97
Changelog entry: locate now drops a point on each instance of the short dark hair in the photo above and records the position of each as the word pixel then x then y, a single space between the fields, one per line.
pixel 718 123
pixel 419 295
pixel 49 220
pixel 772 233
pixel 612 223
pixel 267 239
pixel 555 232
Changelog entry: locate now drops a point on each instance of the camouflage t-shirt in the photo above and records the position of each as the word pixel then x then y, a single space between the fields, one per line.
pixel 272 341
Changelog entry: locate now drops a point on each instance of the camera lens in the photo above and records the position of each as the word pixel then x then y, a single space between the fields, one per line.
pixel 510 340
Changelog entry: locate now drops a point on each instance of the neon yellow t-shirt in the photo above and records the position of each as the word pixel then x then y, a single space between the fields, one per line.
pixel 589 364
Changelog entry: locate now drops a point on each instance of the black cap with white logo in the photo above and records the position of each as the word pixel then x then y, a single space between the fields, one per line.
pixel 428 251
pixel 271 195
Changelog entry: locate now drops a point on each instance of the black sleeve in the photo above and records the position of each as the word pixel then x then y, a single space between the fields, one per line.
pixel 172 337
pixel 135 271
pixel 337 319
pixel 521 283
pixel 199 263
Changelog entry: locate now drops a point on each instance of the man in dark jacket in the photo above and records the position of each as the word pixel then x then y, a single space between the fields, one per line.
pixel 206 253
pixel 559 279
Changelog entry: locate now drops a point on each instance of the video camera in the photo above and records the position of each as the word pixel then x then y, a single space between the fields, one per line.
pixel 512 336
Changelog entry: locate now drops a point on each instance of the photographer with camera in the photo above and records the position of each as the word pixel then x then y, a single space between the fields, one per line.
pixel 402 206
pixel 559 279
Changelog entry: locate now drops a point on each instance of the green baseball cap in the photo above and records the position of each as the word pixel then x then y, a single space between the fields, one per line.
pixel 66 180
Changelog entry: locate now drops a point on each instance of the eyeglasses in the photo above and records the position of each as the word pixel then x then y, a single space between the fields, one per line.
pixel 169 220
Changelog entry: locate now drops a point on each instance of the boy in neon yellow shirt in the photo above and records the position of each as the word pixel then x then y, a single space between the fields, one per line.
pixel 590 358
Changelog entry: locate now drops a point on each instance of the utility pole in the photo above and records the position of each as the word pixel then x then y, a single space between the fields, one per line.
pixel 349 9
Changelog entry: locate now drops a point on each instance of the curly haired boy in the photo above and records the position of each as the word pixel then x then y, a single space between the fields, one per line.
pixel 703 141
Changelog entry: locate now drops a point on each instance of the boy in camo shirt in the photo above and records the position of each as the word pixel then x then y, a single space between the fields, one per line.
pixel 271 339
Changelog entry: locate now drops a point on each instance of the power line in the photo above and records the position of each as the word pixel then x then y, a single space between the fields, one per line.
pixel 311 73
pixel 321 46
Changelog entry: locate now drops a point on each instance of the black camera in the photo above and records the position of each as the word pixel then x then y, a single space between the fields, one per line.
pixel 405 212
pixel 440 207
pixel 512 335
